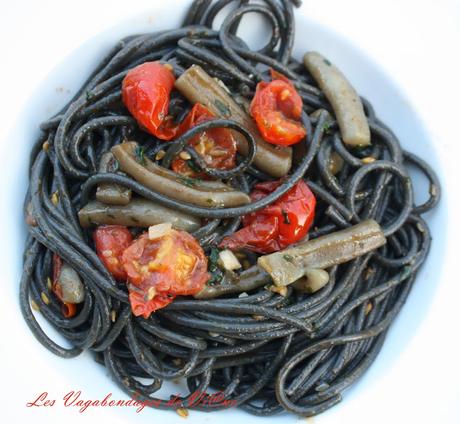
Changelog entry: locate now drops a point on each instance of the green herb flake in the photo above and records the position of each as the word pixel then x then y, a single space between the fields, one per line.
pixel 327 127
pixel 193 166
pixel 139 153
pixel 222 108
pixel 216 277
pixel 286 219
pixel 189 182
pixel 327 62
pixel 213 258
pixel 288 258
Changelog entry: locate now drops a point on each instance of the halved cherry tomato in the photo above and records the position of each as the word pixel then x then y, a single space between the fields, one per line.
pixel 111 241
pixel 162 268
pixel 276 108
pixel 216 146
pixel 275 227
pixel 146 91
pixel 67 309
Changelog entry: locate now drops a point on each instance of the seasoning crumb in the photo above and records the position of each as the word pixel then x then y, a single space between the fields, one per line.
pixel 258 317
pixel 368 308
pixel 160 155
pixel 420 227
pixel 185 155
pixel 288 258
pixel 168 66
pixel 246 264
pixel 177 362
pixel 113 315
pixel 45 298
pixel 46 146
pixel 49 284
pixel 368 273
pixel 151 293
pixel 34 305
pixel 335 163
pixel 55 198
pixel 368 159
pixel 182 412
pixel 244 294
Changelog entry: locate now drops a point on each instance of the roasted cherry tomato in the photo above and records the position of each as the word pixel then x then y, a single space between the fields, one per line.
pixel 216 146
pixel 160 269
pixel 68 309
pixel 276 108
pixel 111 241
pixel 146 91
pixel 280 224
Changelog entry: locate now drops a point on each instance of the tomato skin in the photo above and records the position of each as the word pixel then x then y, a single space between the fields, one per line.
pixel 111 241
pixel 140 307
pixel 145 92
pixel 276 108
pixel 68 309
pixel 160 269
pixel 277 226
pixel 216 146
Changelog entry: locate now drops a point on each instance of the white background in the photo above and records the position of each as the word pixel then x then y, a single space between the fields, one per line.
pixel 416 42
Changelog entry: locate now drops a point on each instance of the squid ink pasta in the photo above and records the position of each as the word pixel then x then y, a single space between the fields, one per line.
pixel 238 219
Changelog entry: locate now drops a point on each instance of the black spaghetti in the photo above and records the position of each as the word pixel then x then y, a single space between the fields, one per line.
pixel 266 344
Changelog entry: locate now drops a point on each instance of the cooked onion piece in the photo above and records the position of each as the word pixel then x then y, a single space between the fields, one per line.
pixel 72 289
pixel 228 260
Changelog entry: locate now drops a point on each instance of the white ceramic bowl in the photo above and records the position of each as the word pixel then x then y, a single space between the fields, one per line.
pixel 82 373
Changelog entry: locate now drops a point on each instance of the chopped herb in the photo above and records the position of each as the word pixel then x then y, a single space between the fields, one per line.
pixel 210 201
pixel 139 153
pixel 223 108
pixel 213 258
pixel 88 95
pixel 216 273
pixel 285 217
pixel 193 166
pixel 189 182
pixel 327 62
pixel 288 258
pixel 327 127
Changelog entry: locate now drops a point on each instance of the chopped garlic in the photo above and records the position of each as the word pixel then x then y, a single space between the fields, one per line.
pixel 182 412
pixel 228 260
pixel 151 293
pixel 185 155
pixel 159 230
